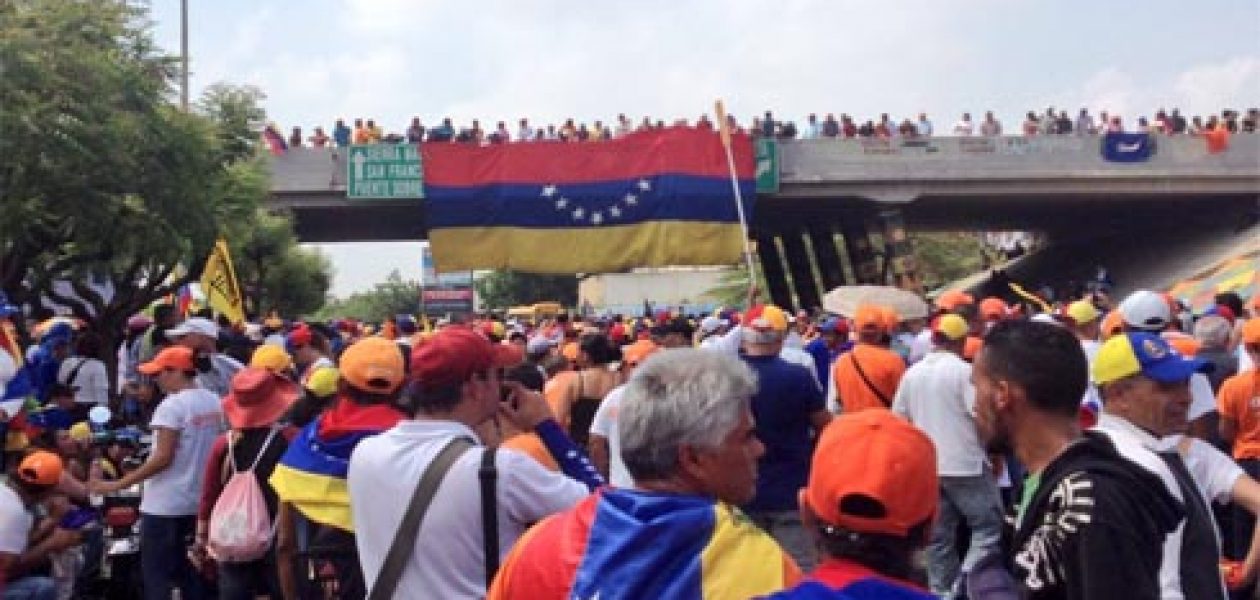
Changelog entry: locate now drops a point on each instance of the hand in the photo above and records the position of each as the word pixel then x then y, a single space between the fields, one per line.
pixel 524 407
pixel 60 539
pixel 102 487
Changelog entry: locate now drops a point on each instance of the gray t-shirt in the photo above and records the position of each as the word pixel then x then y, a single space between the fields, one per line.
pixel 197 415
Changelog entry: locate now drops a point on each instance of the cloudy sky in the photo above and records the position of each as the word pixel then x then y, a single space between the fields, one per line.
pixel 552 59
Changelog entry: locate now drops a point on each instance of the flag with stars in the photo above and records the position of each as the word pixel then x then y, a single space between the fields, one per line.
pixel 651 199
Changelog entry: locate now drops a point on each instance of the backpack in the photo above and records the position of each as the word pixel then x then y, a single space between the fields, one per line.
pixel 241 529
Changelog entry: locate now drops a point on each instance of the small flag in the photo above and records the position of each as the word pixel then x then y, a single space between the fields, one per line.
pixel 275 141
pixel 1127 147
pixel 218 282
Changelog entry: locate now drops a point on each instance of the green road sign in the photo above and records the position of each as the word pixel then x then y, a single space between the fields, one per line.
pixel 384 171
pixel 767 167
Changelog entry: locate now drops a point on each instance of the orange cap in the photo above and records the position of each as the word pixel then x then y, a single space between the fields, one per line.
pixel 40 468
pixel 637 352
pixel 570 351
pixel 891 319
pixel 1112 324
pixel 1184 345
pixel 1251 331
pixel 179 358
pixel 873 455
pixel 953 299
pixel 993 309
pixel 869 317
pixel 972 347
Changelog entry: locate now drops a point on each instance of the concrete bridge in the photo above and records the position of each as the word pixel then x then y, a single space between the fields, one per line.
pixel 855 199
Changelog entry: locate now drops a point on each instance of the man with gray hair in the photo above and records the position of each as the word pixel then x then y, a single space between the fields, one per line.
pixel 688 441
pixel 1213 333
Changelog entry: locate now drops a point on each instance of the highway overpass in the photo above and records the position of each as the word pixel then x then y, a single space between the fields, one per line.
pixel 846 202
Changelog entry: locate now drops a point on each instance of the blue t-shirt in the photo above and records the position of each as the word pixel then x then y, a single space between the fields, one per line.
pixel 866 589
pixel 786 397
pixel 824 357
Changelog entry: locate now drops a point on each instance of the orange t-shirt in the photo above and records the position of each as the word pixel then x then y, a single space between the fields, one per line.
pixel 1239 401
pixel 531 445
pixel 882 366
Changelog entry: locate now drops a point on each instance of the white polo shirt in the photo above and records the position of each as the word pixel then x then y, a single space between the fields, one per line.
pixel 1214 472
pixel 448 561
pixel 936 395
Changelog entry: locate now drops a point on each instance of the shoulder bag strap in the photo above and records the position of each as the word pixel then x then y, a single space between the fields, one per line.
pixel 857 365
pixel 263 449
pixel 74 373
pixel 405 540
pixel 489 475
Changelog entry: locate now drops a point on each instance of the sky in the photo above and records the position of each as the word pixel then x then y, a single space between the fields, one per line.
pixel 391 60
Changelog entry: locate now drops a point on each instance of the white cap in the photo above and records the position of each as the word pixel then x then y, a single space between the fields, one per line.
pixel 200 325
pixel 711 324
pixel 538 345
pixel 1145 310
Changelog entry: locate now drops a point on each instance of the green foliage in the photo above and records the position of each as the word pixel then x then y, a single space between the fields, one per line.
pixel 946 256
pixel 391 297
pixel 505 289
pixel 732 288
pixel 274 271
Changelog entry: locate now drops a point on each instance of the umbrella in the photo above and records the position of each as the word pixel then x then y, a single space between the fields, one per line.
pixel 846 299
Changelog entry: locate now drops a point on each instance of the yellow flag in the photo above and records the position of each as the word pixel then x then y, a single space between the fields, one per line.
pixel 218 282
pixel 724 128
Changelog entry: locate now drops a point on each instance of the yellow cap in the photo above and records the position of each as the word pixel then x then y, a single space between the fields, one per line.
pixel 322 382
pixel 271 357
pixel 951 326
pixel 1083 312
pixel 81 432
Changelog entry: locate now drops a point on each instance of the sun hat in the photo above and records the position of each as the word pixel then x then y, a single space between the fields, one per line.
pixel 258 398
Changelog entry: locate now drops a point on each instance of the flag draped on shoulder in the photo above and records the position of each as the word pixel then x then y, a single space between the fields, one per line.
pixel 218 283
pixel 654 198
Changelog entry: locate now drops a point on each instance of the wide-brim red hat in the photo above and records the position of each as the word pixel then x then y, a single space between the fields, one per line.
pixel 258 398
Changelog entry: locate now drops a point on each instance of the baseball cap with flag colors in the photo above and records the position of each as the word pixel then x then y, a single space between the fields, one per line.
pixel 764 324
pixel 873 472
pixel 373 365
pixel 1146 354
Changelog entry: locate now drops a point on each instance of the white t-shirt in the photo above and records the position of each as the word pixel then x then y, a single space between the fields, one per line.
pixel 1214 472
pixel 197 415
pixel 920 347
pixel 1202 400
pixel 1244 359
pixel 605 424
pixel 936 395
pixel 448 561
pixel 15 521
pixel 92 380
pixel 1091 397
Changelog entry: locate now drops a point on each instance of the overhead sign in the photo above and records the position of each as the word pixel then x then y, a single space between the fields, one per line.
pixel 444 301
pixel 389 171
pixel 767 166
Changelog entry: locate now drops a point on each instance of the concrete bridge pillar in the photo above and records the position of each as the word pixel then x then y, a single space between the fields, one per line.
pixel 857 243
pixel 823 240
pixel 772 269
pixel 798 262
pixel 899 252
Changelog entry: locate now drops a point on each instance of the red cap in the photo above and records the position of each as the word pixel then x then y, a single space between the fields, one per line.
pixel 953 299
pixel 454 354
pixel 873 472
pixel 993 309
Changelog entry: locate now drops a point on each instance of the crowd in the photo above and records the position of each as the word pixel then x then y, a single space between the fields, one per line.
pixel 990 450
pixel 1050 122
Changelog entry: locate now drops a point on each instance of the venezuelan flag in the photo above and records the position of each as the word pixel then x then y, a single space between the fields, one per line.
pixel 627 544
pixel 312 473
pixel 654 198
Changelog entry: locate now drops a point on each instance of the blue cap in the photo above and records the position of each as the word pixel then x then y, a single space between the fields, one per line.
pixel 831 325
pixel 1146 354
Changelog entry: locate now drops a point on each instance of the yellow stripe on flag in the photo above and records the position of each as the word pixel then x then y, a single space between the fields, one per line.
pixel 587 249
pixel 218 282
pixel 740 560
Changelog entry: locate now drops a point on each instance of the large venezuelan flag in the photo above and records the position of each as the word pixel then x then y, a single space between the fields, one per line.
pixel 650 199
pixel 626 544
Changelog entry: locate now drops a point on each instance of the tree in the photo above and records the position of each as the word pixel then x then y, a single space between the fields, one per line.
pixel 394 296
pixel 103 178
pixel 946 256
pixel 504 289
pixel 274 272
